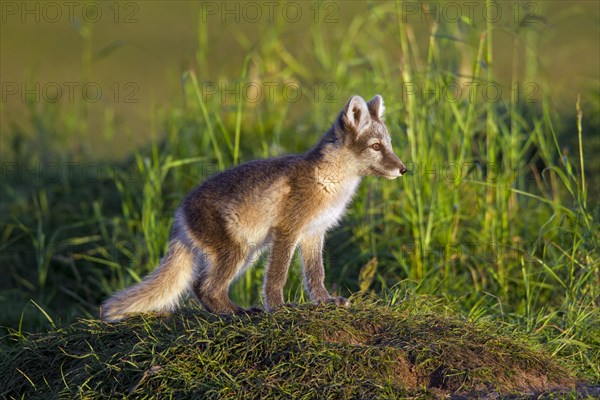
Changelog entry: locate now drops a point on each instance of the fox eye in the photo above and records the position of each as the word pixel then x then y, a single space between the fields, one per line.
pixel 376 146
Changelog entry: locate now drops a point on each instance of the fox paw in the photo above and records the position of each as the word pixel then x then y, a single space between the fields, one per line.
pixel 338 301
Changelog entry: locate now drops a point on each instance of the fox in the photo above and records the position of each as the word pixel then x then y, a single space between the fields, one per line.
pixel 224 225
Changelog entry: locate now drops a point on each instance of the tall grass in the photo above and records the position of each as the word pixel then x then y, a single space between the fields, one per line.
pixel 492 217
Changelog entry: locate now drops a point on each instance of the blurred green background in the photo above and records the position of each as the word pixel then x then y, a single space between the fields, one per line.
pixel 148 45
pixel 112 111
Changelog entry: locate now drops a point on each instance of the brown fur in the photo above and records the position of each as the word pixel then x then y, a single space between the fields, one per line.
pixel 224 224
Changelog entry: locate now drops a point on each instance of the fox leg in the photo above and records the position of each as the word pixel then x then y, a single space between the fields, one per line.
pixel 276 273
pixel 214 274
pixel 311 249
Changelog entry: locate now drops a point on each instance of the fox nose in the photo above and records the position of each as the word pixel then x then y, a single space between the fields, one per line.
pixel 403 169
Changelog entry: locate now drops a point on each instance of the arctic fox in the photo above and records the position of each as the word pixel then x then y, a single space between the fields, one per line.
pixel 281 203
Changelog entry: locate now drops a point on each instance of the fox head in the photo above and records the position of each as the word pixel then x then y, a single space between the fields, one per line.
pixel 361 130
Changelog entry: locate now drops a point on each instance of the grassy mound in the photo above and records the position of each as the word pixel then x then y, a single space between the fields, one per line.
pixel 371 350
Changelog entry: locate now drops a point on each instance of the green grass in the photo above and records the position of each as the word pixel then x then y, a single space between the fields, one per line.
pixel 415 347
pixel 512 240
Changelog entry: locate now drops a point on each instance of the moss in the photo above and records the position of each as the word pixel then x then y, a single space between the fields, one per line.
pixel 371 350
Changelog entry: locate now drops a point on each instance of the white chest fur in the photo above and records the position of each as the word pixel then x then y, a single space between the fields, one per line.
pixel 338 196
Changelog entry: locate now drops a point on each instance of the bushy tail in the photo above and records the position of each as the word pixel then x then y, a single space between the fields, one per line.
pixel 160 290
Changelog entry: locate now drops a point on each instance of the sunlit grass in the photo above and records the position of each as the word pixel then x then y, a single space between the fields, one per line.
pixel 414 347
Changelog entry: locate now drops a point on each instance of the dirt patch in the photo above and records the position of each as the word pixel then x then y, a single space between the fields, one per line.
pixel 452 357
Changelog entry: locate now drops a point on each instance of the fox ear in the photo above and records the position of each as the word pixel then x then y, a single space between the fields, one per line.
pixel 376 107
pixel 356 114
